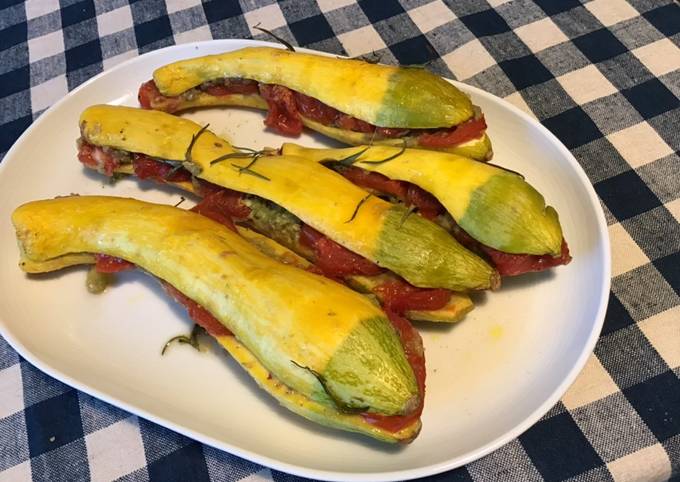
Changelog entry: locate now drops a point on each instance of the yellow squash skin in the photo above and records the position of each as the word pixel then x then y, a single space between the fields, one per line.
pixel 382 95
pixel 280 313
pixel 478 149
pixel 416 249
pixel 494 206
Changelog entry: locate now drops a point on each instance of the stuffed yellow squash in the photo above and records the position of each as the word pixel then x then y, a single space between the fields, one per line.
pixel 298 199
pixel 353 101
pixel 324 351
pixel 487 208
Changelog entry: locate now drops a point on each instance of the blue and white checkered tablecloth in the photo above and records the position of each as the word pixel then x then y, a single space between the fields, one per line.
pixel 604 76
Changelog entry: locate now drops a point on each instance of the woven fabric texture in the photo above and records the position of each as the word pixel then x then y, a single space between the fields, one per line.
pixel 603 76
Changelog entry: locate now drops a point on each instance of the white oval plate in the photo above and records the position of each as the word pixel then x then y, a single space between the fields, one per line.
pixel 489 378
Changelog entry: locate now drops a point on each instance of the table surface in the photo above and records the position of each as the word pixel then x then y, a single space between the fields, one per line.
pixel 603 76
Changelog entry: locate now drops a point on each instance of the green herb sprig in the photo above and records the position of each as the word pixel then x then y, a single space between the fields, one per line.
pixel 351 159
pixel 194 137
pixel 390 158
pixel 356 209
pixel 245 153
pixel 191 339
pixel 354 158
pixel 411 209
pixel 505 169
pixel 326 388
pixel 372 58
pixel 275 37
pixel 176 166
pixel 247 169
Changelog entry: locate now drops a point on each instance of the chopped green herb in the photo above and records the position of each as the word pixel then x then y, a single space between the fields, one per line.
pixel 356 209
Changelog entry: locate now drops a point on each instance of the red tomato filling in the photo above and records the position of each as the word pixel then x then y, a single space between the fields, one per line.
pixel 415 354
pixel 148 168
pixel 438 138
pixel 287 107
pixel 283 114
pixel 204 188
pixel 400 297
pixel 197 313
pixel 111 264
pixel 408 193
pixel 334 260
pixel 96 158
pixel 508 264
pixel 231 86
pixel 150 97
pixel 516 264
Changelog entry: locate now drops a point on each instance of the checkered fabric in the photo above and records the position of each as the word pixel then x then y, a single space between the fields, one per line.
pixel 604 76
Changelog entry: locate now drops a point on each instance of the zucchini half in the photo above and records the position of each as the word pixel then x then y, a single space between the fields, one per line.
pixel 495 206
pixel 313 344
pixel 381 95
pixel 416 249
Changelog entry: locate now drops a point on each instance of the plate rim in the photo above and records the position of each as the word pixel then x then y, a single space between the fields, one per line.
pixel 298 470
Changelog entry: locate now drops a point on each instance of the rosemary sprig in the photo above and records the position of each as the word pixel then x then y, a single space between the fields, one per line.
pixel 276 37
pixel 232 155
pixel 191 339
pixel 246 149
pixel 175 167
pixel 387 159
pixel 356 209
pixel 247 169
pixel 372 58
pixel 411 209
pixel 505 169
pixel 370 141
pixel 194 137
pixel 324 384
pixel 349 160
